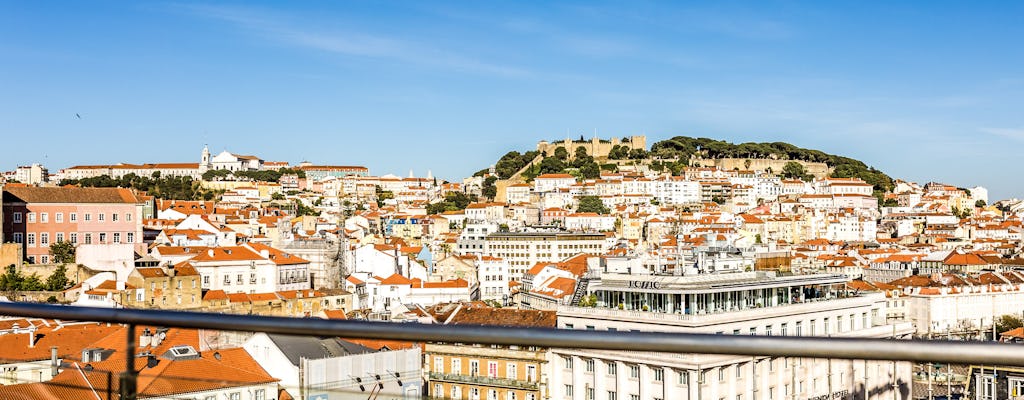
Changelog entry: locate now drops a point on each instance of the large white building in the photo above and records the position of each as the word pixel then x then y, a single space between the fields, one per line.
pixel 523 250
pixel 739 303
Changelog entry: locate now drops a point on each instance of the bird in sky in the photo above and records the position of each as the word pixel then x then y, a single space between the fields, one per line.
pixel 78 116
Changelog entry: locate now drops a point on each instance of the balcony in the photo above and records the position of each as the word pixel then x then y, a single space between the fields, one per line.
pixel 484 381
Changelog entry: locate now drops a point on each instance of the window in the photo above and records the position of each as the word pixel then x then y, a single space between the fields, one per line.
pixel 227 280
pixel 590 365
pixel 113 217
pixel 456 365
pixel 510 370
pixel 238 279
pixel 492 394
pixel 985 388
pixel 510 395
pixel 634 371
pixel 1016 387
pixel 17 217
pixel 128 217
pixel 88 238
pixel 73 217
pixel 117 237
pixel 634 397
pixel 783 329
pixel 131 237
pixel 826 327
pixel 474 367
pixel 456 392
pixel 31 217
pixel 611 368
pixel 74 238
pixel 59 237
pixel 31 240
pixel 739 370
pixel 438 389
pixel 568 362
pixel 44 239
pixel 590 393
pixel 100 217
pixel 103 237
pixel 474 394
pixel 492 369
pixel 612 395
pixel 659 374
pixel 767 330
pixel 44 217
pixel 88 217
pixel 684 377
pixel 439 364
pixel 58 217
pixel 799 328
pixel 736 332
pixel 235 396
pixel 568 391
pixel 206 280
pixel 44 259
pixel 531 373
pixel 753 331
pixel 721 374
pixel 18 238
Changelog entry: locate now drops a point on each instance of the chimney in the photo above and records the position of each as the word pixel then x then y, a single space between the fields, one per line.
pixel 54 365
pixel 86 355
pixel 145 339
pixel 31 337
pixel 210 252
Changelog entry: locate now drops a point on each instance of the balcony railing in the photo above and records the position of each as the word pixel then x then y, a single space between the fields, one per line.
pixel 484 381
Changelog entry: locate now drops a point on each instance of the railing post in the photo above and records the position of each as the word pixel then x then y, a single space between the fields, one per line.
pixel 128 377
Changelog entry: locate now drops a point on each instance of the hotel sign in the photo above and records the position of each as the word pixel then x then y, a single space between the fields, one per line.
pixel 643 285
pixel 842 394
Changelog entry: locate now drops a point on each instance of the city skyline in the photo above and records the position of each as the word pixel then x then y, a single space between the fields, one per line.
pixel 925 94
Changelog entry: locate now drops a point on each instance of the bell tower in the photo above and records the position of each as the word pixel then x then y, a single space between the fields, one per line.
pixel 204 165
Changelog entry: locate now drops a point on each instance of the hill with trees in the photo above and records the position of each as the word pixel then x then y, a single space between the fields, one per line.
pixel 682 148
pixel 675 154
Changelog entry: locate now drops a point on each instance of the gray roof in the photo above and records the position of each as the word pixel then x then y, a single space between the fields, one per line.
pixel 298 347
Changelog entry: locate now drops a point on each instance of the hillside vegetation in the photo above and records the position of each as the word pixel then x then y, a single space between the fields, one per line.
pixel 683 147
pixel 674 154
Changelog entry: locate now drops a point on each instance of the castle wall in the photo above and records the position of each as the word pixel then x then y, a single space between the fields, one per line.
pixel 595 147
pixel 819 170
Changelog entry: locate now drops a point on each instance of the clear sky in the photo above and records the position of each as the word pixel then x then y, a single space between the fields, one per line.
pixel 922 90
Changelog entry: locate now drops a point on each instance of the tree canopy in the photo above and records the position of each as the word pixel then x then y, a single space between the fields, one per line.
pixel 170 187
pixel 592 204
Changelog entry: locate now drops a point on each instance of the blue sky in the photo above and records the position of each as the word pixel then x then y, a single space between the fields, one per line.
pixel 924 91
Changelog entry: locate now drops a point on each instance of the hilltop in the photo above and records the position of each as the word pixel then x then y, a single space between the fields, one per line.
pixel 587 158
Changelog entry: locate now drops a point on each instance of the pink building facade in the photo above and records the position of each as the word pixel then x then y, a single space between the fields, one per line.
pixel 37 217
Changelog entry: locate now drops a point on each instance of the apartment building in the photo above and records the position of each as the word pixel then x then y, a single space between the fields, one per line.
pixel 524 249
pixel 37 217
pixel 737 303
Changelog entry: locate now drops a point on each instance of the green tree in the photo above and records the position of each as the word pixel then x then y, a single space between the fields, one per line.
pixel 794 170
pixel 1008 322
pixel 590 170
pixel 58 280
pixel 62 252
pixel 592 204
pixel 277 196
pixel 979 203
pixel 489 190
pixel 561 153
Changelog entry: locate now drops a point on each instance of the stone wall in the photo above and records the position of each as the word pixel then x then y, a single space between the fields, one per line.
pixel 819 170
pixel 595 147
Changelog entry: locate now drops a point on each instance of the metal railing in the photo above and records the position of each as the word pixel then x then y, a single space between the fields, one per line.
pixel 958 352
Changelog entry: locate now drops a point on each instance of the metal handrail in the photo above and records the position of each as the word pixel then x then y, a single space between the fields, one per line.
pixel 988 353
